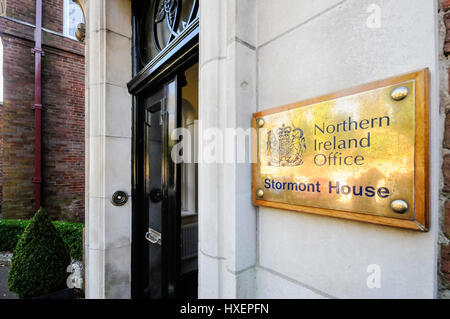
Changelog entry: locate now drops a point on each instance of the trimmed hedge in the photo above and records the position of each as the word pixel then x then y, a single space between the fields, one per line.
pixel 10 231
pixel 40 260
pixel 71 233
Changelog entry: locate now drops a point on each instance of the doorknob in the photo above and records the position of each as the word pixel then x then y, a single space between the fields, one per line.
pixel 156 195
pixel 153 236
pixel 119 198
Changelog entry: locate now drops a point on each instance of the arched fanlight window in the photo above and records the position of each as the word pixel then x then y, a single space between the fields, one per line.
pixel 73 16
pixel 160 22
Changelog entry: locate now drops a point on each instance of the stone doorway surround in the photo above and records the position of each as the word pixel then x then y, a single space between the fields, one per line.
pixel 227 90
pixel 108 148
pixel 227 99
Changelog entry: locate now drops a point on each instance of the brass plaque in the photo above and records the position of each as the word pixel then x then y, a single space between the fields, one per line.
pixel 361 154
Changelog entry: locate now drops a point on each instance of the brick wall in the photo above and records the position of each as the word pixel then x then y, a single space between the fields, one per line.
pixel 17 128
pixel 24 10
pixel 444 238
pixel 63 133
pixel 52 15
pixel 63 114
pixel 1 166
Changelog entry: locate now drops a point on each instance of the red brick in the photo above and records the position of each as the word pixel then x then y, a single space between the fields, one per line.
pixel 447 128
pixel 446 5
pixel 24 10
pixel 445 263
pixel 63 115
pixel 446 173
pixel 1 157
pixel 447 219
pixel 447 34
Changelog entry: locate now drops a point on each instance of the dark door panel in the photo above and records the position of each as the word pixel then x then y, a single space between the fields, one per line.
pixel 153 182
pixel 156 180
pixel 161 207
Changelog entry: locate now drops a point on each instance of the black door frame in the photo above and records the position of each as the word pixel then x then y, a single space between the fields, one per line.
pixel 179 55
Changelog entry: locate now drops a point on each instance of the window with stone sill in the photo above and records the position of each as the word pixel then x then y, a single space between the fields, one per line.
pixel 73 15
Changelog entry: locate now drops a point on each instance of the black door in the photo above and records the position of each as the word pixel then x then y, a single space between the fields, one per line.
pixel 164 236
pixel 161 200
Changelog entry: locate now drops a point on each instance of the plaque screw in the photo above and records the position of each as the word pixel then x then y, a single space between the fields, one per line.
pixel 399 93
pixel 260 122
pixel 260 193
pixel 399 206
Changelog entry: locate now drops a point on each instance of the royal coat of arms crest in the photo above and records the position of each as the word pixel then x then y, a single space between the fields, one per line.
pixel 285 146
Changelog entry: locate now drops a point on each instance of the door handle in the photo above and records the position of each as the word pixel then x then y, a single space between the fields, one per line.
pixel 156 195
pixel 153 236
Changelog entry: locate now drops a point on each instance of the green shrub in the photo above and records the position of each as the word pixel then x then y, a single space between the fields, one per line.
pixel 10 231
pixel 40 259
pixel 71 233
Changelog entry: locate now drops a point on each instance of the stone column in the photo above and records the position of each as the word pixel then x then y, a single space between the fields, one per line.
pixel 108 148
pixel 227 91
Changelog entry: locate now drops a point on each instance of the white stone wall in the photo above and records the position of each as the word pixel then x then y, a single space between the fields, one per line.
pixel 323 48
pixel 227 99
pixel 108 148
pixel 259 54
pixel 227 218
